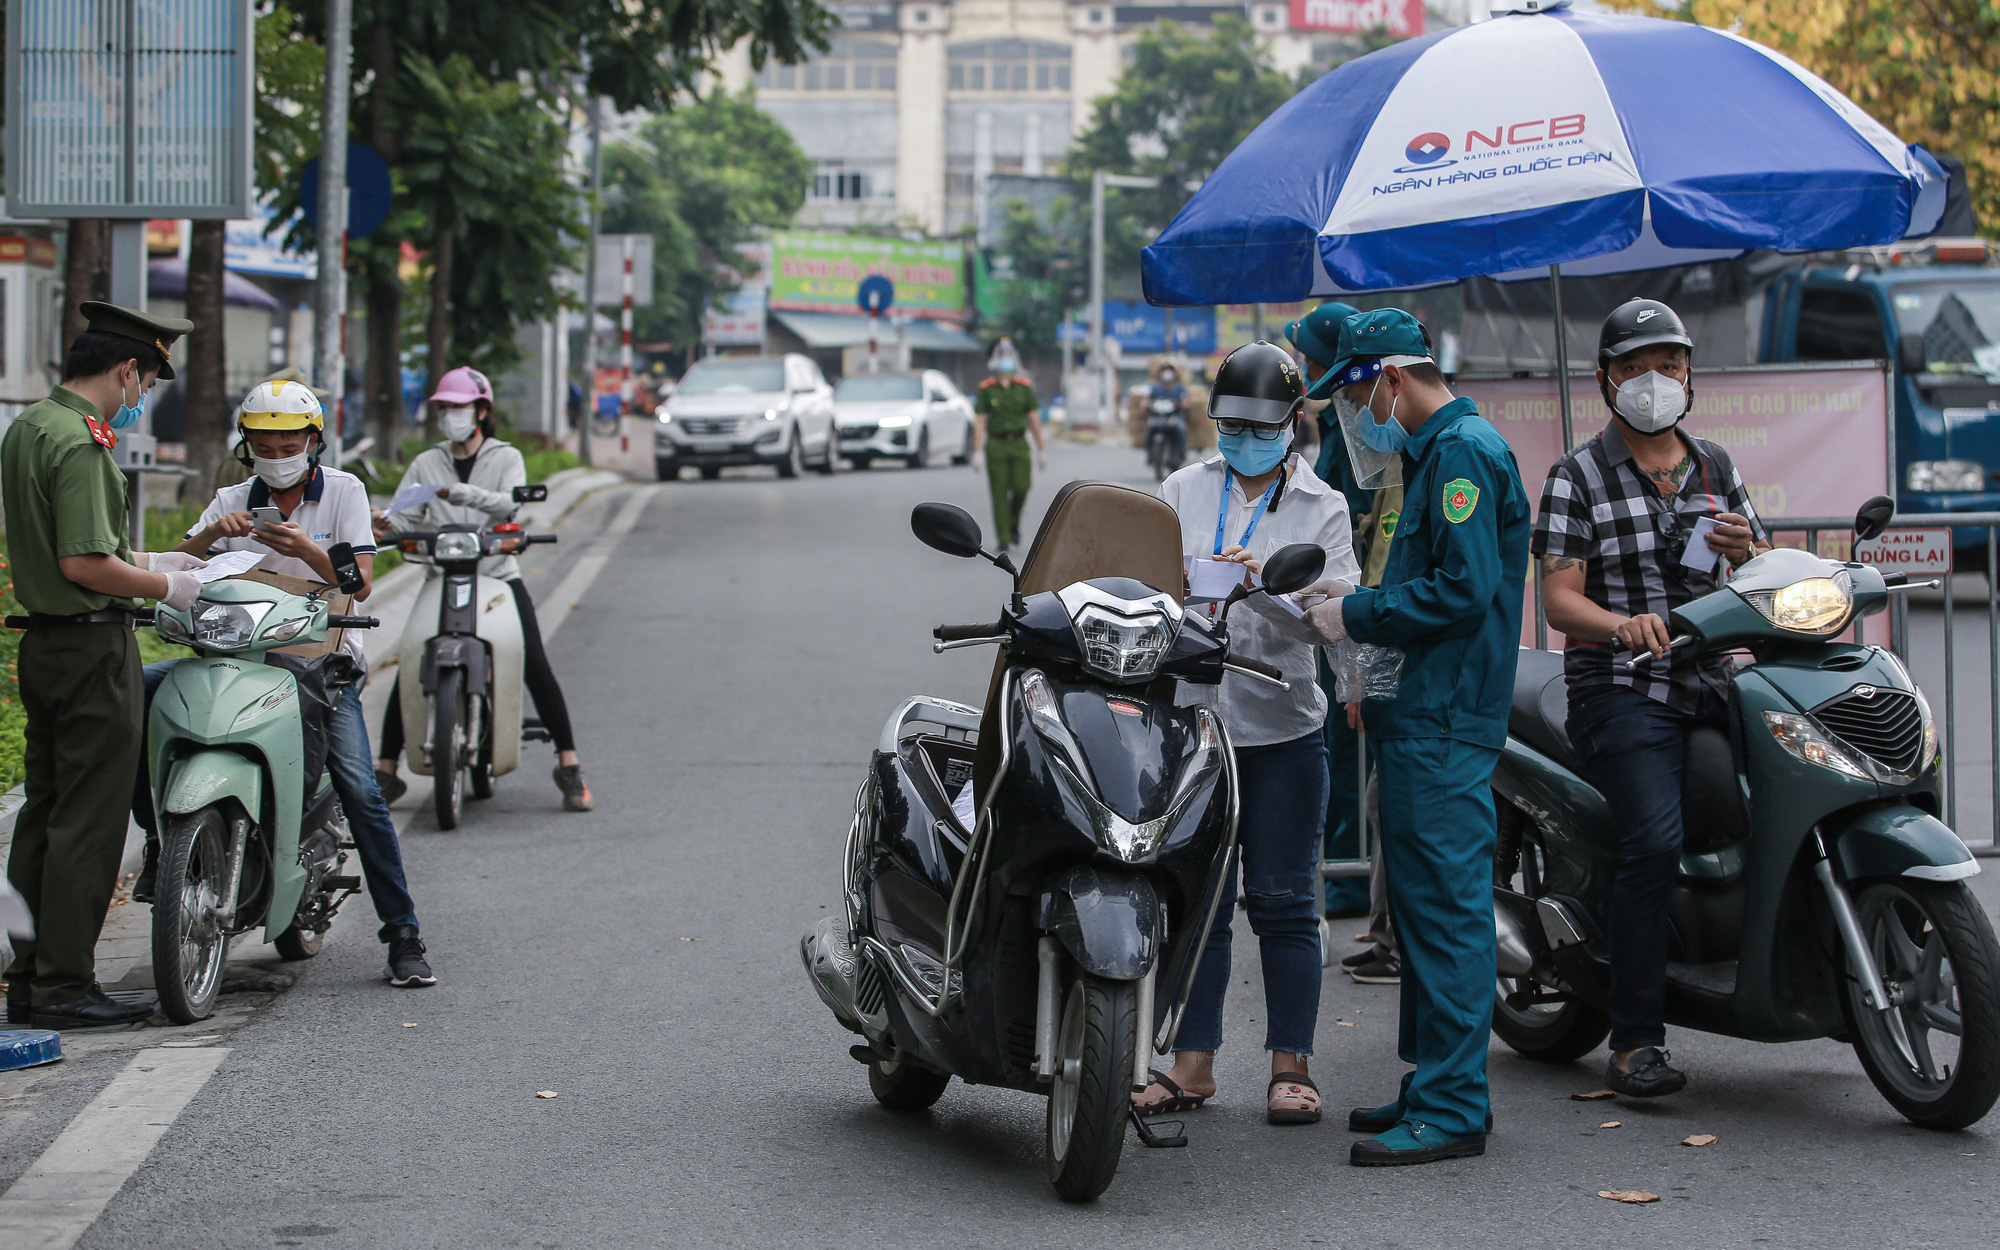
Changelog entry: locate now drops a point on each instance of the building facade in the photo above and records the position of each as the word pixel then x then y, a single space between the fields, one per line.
pixel 919 104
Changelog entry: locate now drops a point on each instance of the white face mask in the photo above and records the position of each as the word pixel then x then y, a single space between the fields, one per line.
pixel 458 423
pixel 278 474
pixel 1650 402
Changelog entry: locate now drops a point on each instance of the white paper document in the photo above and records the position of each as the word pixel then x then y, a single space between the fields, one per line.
pixel 228 564
pixel 1699 556
pixel 1212 579
pixel 415 497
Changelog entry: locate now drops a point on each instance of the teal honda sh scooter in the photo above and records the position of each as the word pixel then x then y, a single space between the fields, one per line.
pixel 250 830
pixel 1819 894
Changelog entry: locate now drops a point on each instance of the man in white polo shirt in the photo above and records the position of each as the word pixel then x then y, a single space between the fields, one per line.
pixel 320 506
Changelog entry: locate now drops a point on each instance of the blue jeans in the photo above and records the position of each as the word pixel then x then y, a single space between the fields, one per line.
pixel 1633 747
pixel 352 768
pixel 1282 801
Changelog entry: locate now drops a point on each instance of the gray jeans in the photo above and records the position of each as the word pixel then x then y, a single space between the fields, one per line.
pixel 1381 934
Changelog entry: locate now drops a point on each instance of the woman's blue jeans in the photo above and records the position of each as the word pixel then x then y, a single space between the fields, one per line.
pixel 1282 803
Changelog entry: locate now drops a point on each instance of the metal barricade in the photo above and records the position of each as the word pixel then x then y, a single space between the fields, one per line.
pixel 1833 537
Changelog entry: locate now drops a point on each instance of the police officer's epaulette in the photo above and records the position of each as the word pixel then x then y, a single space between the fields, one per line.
pixel 989 382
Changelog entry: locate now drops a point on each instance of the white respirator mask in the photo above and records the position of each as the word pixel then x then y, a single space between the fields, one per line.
pixel 279 474
pixel 1651 402
pixel 458 424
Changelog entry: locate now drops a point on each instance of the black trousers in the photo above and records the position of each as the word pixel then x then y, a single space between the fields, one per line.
pixel 536 674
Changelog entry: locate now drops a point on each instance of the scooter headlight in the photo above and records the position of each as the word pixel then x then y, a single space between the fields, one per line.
pixel 1930 732
pixel 1814 605
pixel 1122 647
pixel 456 545
pixel 226 626
pixel 1803 739
pixel 169 626
pixel 285 631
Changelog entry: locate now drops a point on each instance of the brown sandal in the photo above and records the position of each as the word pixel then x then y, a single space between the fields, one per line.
pixel 1292 1115
pixel 1178 1099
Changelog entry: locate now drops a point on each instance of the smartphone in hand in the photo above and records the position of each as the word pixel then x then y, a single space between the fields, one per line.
pixel 266 517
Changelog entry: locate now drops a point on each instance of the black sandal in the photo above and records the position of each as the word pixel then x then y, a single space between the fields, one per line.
pixel 1179 1099
pixel 1300 1116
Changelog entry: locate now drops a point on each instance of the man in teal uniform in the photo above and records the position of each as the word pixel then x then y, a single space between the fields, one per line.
pixel 1451 599
pixel 80 581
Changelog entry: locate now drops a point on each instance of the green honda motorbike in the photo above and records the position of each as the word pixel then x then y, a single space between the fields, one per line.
pixel 1818 895
pixel 251 833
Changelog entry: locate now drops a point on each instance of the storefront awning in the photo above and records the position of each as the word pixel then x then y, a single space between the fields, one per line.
pixel 830 330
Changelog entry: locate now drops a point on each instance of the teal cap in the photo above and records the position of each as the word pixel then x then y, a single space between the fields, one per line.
pixel 1317 334
pixel 1365 340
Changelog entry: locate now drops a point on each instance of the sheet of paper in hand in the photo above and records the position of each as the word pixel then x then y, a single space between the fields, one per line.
pixel 1699 556
pixel 415 497
pixel 228 564
pixel 1210 578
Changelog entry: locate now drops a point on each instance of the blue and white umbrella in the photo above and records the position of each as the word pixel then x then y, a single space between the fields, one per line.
pixel 1538 139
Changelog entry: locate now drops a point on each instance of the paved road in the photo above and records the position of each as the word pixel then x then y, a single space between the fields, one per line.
pixel 729 671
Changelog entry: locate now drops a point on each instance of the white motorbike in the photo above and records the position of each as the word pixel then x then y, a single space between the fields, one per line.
pixel 461 661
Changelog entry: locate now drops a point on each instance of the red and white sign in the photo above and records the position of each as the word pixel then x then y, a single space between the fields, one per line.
pixel 1916 552
pixel 1402 18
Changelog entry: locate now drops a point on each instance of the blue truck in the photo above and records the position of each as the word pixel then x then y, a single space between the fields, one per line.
pixel 1933 310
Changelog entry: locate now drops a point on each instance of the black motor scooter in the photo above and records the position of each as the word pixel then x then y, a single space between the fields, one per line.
pixel 1166 438
pixel 1034 931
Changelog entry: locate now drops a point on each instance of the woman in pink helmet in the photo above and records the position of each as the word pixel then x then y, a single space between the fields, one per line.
pixel 479 474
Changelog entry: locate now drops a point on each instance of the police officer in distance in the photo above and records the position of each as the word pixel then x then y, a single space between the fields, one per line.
pixel 79 579
pixel 1005 414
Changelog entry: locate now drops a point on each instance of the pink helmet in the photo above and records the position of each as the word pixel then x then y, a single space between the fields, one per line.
pixel 463 385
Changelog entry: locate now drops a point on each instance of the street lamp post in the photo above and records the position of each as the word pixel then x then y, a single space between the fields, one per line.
pixel 1098 365
pixel 330 284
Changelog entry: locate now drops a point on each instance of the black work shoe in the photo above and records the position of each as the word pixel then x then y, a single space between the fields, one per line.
pixel 407 969
pixel 1649 1075
pixel 142 889
pixel 392 786
pixel 95 1010
pixel 1360 957
pixel 1413 1142
pixel 19 1010
pixel 575 790
pixel 1378 972
pixel 1385 1117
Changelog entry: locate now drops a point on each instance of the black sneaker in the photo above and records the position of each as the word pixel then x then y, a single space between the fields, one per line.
pixel 1365 955
pixel 407 969
pixel 575 790
pixel 1378 972
pixel 1649 1076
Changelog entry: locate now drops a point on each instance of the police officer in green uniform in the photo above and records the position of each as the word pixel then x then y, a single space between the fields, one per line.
pixel 1005 415
pixel 80 581
pixel 1451 599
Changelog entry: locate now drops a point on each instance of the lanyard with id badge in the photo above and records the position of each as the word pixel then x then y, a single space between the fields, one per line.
pixel 1211 578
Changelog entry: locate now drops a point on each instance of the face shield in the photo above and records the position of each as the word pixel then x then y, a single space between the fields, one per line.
pixel 1374 469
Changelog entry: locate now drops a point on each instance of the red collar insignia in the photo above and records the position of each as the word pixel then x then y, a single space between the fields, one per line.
pixel 106 437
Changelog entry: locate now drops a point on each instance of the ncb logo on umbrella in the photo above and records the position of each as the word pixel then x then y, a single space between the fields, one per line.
pixel 1426 151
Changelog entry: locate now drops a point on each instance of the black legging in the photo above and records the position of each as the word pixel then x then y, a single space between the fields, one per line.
pixel 538 676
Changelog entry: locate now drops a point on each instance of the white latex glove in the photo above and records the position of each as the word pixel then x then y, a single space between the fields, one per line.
pixel 1327 616
pixel 183 589
pixel 979 462
pixel 1041 459
pixel 141 560
pixel 176 562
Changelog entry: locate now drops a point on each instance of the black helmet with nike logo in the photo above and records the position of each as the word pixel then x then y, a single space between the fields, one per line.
pixel 1638 323
pixel 1259 383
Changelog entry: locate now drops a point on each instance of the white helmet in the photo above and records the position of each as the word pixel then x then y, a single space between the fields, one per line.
pixel 281 405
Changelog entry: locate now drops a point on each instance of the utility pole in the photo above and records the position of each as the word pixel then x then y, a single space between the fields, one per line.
pixel 330 284
pixel 583 429
pixel 1098 365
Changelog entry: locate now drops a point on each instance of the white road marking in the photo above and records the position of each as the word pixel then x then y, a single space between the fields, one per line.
pixel 572 589
pixel 61 1195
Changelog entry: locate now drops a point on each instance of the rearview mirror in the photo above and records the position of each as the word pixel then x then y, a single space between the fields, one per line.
pixel 1910 353
pixel 531 494
pixel 1294 568
pixel 1873 518
pixel 947 528
pixel 346 569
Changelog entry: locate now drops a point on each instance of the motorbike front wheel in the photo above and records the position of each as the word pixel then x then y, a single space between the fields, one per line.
pixel 1935 1055
pixel 1089 1100
pixel 1547 1032
pixel 299 943
pixel 448 747
pixel 189 941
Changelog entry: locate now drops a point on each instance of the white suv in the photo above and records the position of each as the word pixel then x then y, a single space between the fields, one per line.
pixel 912 417
pixel 775 410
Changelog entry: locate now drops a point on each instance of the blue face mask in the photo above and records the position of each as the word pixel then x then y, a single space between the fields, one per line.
pixel 1388 437
pixel 1252 456
pixel 128 414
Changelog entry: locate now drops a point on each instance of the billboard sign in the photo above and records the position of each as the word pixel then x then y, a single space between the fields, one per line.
pixel 1401 18
pixel 1141 329
pixel 257 245
pixel 129 109
pixel 737 319
pixel 823 273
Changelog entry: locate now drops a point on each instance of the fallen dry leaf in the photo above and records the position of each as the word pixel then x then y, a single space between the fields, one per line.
pixel 1612 1124
pixel 688 939
pixel 409 1026
pixel 1345 1024
pixel 1597 1095
pixel 1634 1196
pixel 1699 1139
pixel 545 1093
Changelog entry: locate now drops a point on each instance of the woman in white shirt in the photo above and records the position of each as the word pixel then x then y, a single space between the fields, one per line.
pixel 1243 505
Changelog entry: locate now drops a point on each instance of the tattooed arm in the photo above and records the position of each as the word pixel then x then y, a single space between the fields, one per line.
pixel 1571 612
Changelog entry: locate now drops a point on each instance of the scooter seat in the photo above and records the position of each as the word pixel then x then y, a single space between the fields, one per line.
pixel 1539 714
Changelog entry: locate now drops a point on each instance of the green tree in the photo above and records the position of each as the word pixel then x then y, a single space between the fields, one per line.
pixel 700 180
pixel 1046 262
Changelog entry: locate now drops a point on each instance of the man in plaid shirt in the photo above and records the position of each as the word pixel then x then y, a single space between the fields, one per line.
pixel 1615 538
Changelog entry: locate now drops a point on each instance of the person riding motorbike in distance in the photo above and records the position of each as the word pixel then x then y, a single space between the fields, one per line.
pixel 479 473
pixel 283 431
pixel 1167 388
pixel 1615 537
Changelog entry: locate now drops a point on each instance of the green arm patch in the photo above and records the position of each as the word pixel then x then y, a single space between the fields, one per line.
pixel 1460 498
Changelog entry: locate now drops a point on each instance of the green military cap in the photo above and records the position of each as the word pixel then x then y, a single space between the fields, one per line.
pixel 1317 334
pixel 158 333
pixel 1367 342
